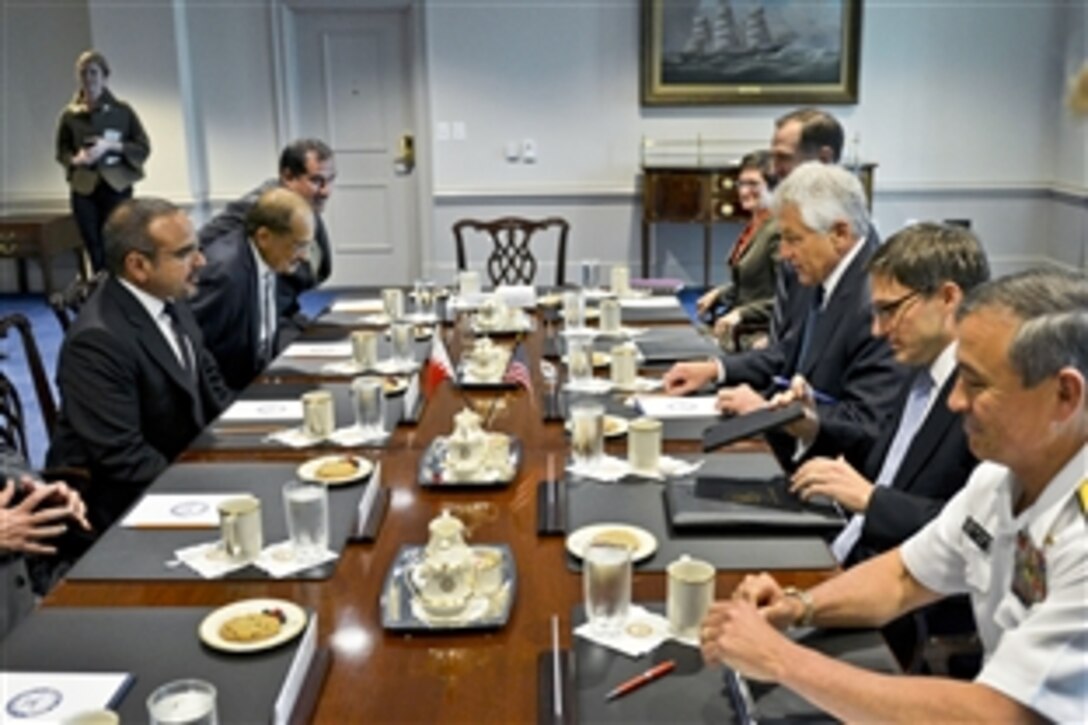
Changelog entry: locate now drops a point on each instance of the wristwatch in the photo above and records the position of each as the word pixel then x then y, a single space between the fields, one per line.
pixel 805 598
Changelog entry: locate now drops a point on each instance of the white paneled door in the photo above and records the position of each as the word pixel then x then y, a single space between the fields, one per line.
pixel 351 86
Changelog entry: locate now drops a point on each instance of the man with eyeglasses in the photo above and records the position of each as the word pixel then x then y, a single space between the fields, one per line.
pixel 236 305
pixel 308 168
pixel 136 382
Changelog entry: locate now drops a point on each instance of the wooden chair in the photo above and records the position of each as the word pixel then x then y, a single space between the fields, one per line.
pixel 12 423
pixel 48 406
pixel 67 304
pixel 511 259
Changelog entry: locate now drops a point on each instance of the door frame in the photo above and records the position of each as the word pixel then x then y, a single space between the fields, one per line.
pixel 282 14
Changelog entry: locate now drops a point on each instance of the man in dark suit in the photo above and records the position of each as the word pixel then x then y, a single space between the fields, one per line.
pixel 136 383
pixel 823 222
pixel 236 305
pixel 920 458
pixel 308 168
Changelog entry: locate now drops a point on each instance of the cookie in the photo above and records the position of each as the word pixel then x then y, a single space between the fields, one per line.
pixel 250 627
pixel 617 537
pixel 337 468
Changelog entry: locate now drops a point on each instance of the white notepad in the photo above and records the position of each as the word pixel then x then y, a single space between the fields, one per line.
pixel 666 406
pixel 360 306
pixel 318 349
pixel 57 696
pixel 177 510
pixel 649 303
pixel 286 410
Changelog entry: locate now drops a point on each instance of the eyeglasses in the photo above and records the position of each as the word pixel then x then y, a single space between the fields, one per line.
pixel 887 311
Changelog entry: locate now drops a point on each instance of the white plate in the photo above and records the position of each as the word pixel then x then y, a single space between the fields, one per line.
pixel 614 426
pixel 308 470
pixel 580 539
pixel 209 628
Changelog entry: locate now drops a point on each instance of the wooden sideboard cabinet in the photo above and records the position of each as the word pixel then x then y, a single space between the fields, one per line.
pixel 40 237
pixel 705 195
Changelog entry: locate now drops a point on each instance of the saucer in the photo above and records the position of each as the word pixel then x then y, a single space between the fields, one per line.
pixel 295 619
pixel 580 539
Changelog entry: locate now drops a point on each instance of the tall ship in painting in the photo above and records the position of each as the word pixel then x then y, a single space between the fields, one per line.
pixel 721 37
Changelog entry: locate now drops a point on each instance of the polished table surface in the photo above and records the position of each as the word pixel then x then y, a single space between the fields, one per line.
pixel 382 677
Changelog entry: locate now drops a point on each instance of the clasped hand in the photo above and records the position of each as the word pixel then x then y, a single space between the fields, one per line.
pixel 39 516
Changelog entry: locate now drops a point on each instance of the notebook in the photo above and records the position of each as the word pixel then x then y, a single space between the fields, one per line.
pixel 737 503
pixel 740 427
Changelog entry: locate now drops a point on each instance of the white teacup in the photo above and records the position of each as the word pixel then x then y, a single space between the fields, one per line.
pixel 690 594
pixel 621 279
pixel 468 283
pixel 488 570
pixel 610 315
pixel 644 444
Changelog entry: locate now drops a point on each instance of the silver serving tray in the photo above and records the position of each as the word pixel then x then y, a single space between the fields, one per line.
pixel 432 475
pixel 399 614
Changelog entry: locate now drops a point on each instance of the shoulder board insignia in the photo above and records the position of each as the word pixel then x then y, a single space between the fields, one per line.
pixel 1082 496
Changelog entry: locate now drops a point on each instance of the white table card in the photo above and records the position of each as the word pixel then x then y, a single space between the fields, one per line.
pixel 177 510
pixel 57 696
pixel 319 349
pixel 286 410
pixel 359 306
pixel 664 407
pixel 649 303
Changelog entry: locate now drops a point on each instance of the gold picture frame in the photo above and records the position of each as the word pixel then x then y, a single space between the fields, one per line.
pixel 723 52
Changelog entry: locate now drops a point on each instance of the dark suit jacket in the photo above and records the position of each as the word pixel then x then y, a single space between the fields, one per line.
pixel 289 286
pixel 936 465
pixel 845 360
pixel 127 406
pixel 752 290
pixel 120 171
pixel 227 307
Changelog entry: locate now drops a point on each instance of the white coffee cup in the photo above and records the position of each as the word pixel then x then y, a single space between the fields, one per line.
pixel 318 414
pixel 488 563
pixel 690 594
pixel 644 444
pixel 364 348
pixel 468 283
pixel 240 527
pixel 624 368
pixel 393 302
pixel 621 279
pixel 610 315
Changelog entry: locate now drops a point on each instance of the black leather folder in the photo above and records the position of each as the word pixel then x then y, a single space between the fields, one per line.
pixel 746 504
pixel 740 427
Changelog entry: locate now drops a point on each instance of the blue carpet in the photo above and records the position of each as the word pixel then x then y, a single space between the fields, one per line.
pixel 47 334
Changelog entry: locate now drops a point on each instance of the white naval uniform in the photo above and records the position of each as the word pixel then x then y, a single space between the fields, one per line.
pixel 1037 654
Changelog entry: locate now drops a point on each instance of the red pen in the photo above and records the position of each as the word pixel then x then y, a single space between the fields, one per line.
pixel 639 680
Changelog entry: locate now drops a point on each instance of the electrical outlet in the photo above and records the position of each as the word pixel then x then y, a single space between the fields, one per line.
pixel 459 131
pixel 442 131
pixel 512 152
pixel 528 151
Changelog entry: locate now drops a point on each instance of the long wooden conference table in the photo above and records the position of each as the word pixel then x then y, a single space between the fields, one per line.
pixel 376 676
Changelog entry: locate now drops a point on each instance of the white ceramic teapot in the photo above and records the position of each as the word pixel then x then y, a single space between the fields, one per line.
pixel 485 359
pixel 444 578
pixel 467 445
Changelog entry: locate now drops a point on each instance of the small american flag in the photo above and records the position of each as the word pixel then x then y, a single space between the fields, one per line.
pixel 517 371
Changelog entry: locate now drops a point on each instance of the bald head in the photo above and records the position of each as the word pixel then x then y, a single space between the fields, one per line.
pixel 281 225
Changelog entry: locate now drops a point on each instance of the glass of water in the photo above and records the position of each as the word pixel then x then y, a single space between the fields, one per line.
pixel 183 702
pixel 587 432
pixel 404 354
pixel 424 297
pixel 574 309
pixel 393 302
pixel 307 506
pixel 606 575
pixel 579 358
pixel 369 399
pixel 591 274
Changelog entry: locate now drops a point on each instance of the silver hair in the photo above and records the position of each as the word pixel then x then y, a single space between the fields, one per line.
pixel 1053 307
pixel 824 194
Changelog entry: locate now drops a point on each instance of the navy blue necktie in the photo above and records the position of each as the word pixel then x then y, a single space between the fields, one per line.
pixel 810 325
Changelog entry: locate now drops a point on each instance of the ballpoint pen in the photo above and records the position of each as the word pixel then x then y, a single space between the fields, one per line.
pixel 639 680
pixel 818 396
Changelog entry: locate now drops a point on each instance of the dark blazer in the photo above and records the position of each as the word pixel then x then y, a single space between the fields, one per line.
pixel 753 276
pixel 120 171
pixel 227 307
pixel 127 406
pixel 289 286
pixel 936 465
pixel 845 360
pixel 16 597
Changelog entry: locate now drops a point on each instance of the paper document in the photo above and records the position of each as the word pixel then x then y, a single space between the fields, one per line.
pixel 177 510
pixel 374 305
pixel 296 675
pixel 263 410
pixel 57 696
pixel 664 407
pixel 649 303
pixel 318 349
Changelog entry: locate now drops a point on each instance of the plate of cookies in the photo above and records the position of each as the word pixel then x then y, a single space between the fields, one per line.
pixel 335 470
pixel 252 625
pixel 640 542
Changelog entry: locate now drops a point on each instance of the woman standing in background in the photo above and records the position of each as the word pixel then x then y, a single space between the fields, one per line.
pixel 749 295
pixel 102 147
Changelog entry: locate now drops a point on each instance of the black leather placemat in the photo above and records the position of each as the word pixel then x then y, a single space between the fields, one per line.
pixel 284 365
pixel 643 504
pixel 142 554
pixel 694 692
pixel 672 429
pixel 156 645
pixel 246 435
pixel 635 315
pixel 680 342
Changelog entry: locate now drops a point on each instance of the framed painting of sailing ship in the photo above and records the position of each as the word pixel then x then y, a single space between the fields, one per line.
pixel 710 52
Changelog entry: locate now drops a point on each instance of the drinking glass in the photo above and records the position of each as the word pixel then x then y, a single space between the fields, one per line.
pixel 369 400
pixel 606 575
pixel 621 279
pixel 404 353
pixel 424 297
pixel 574 310
pixel 587 432
pixel 307 507
pixel 591 274
pixel 183 702
pixel 393 302
pixel 579 357
pixel 610 316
